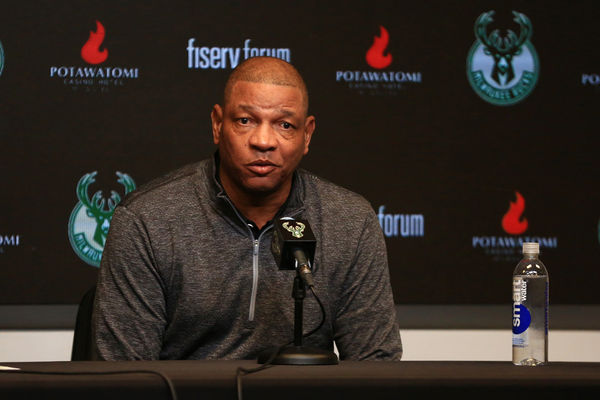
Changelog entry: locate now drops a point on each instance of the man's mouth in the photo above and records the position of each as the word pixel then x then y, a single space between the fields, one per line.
pixel 261 167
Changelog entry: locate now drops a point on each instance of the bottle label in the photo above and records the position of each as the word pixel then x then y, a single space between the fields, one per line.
pixel 546 309
pixel 521 319
pixel 521 315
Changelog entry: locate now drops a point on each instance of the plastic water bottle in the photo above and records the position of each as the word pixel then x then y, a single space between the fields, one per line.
pixel 530 309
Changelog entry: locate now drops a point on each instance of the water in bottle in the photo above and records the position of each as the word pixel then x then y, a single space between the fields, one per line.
pixel 530 309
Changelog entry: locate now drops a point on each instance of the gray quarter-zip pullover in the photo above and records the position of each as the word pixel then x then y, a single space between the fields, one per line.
pixel 183 277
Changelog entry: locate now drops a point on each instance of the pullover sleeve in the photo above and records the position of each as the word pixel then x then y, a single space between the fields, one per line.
pixel 129 317
pixel 365 324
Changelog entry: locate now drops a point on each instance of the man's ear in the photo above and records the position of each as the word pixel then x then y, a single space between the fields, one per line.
pixel 216 116
pixel 309 128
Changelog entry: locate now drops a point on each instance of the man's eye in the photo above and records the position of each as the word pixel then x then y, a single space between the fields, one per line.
pixel 244 121
pixel 286 125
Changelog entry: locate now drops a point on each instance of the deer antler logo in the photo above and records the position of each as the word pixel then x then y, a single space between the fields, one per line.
pixel 491 65
pixel 90 219
pixel 502 49
pixel 296 231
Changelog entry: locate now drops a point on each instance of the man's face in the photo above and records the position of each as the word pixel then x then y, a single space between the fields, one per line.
pixel 262 133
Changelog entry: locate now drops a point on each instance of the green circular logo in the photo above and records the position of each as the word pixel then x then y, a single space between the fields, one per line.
pixel 1 58
pixel 502 69
pixel 90 219
pixel 82 230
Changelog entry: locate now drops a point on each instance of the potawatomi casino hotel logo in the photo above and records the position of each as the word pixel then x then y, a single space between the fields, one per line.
pixel 94 77
pixel 381 79
pixel 90 219
pixel 507 248
pixel 502 69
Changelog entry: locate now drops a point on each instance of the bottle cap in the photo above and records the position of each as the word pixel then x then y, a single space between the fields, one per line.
pixel 531 248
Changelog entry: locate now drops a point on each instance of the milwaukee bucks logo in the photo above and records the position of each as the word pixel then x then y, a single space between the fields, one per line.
pixel 90 219
pixel 1 58
pixel 296 231
pixel 502 69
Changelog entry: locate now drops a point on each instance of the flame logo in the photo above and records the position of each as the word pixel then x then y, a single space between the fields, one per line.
pixel 90 52
pixel 511 221
pixel 374 56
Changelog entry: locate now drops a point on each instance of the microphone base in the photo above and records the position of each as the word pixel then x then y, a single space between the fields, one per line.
pixel 299 355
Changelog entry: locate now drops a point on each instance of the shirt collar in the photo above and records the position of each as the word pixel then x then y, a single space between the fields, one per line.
pixel 292 204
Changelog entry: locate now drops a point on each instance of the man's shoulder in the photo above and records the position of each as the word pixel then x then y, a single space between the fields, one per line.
pixel 174 186
pixel 330 195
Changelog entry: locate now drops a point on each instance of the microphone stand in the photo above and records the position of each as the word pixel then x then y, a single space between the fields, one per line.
pixel 298 354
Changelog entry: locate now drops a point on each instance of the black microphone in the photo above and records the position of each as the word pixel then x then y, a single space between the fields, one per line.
pixel 293 247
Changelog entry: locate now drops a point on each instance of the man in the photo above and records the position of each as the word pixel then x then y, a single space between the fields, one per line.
pixel 187 271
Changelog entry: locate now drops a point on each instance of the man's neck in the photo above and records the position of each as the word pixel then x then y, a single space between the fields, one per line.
pixel 259 208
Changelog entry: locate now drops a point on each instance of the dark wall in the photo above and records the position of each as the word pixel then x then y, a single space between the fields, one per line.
pixel 399 119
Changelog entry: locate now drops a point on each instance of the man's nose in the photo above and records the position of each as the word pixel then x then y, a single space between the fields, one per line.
pixel 263 137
